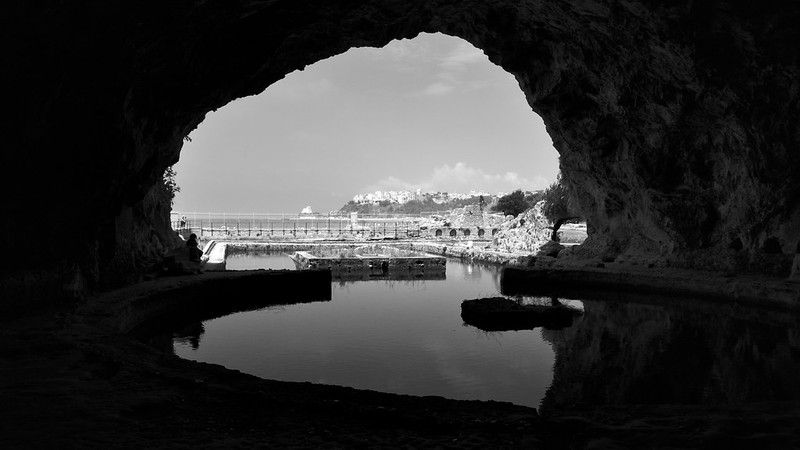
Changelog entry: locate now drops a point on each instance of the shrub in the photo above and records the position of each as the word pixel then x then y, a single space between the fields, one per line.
pixel 512 204
pixel 170 185
pixel 559 205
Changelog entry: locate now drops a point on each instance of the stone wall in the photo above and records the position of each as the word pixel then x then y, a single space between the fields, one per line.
pixel 467 223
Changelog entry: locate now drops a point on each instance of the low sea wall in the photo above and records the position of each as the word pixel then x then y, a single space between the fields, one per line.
pixel 376 261
pixel 672 284
pixel 266 248
pixel 454 250
pixel 212 294
pixel 470 253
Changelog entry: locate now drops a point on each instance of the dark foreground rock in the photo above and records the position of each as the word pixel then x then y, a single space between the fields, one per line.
pixel 71 378
pixel 502 314
pixel 675 121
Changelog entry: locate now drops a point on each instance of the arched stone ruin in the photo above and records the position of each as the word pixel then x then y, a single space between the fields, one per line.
pixel 676 121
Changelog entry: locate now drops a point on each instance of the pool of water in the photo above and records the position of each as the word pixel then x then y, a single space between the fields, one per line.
pixel 403 337
pixel 407 337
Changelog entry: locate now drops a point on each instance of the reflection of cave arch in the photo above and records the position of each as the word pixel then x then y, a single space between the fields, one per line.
pixel 452 233
pixel 466 232
pixel 494 231
pixel 438 233
pixel 481 232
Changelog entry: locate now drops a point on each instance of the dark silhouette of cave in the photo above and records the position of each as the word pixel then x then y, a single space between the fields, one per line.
pixel 675 121
pixel 676 125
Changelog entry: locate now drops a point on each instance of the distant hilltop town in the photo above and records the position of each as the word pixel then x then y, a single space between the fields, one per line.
pixel 401 197
pixel 417 202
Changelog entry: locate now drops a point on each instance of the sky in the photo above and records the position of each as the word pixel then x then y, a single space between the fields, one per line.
pixel 429 113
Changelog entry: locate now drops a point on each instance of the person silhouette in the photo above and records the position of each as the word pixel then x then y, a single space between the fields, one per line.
pixel 194 251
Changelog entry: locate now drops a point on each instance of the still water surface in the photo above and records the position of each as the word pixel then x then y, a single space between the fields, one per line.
pixel 407 337
pixel 403 337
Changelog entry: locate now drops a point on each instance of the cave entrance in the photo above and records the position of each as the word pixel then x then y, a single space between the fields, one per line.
pixel 430 114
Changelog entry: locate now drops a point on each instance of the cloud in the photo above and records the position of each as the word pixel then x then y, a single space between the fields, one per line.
pixel 462 56
pixel 451 71
pixel 443 62
pixel 462 178
pixel 439 88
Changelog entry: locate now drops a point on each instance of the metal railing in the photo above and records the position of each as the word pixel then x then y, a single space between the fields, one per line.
pixel 278 225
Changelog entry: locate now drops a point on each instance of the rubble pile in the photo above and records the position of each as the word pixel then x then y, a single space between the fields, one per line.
pixel 528 232
pixel 470 216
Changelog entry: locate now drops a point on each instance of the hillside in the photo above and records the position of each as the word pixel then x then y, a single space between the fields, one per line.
pixel 413 206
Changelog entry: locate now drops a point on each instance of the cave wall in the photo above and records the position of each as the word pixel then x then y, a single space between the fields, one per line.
pixel 676 121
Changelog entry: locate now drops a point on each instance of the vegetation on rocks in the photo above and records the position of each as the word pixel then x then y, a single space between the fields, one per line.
pixel 170 186
pixel 516 203
pixel 410 207
pixel 559 206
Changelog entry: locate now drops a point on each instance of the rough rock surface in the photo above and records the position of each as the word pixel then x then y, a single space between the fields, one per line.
pixel 473 253
pixel 528 232
pixel 676 121
pixel 470 216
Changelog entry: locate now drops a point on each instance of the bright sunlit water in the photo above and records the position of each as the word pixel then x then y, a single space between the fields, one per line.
pixel 392 336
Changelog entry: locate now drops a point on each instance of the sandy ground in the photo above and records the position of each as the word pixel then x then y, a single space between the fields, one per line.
pixel 70 379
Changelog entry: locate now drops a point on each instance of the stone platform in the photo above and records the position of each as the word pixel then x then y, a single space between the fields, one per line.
pixel 372 262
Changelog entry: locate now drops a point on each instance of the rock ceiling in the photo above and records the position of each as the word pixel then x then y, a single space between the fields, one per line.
pixel 676 121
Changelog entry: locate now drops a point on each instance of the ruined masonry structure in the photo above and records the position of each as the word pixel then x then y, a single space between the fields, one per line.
pixel 467 223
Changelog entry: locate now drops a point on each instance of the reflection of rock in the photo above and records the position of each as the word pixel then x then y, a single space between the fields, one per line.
pixel 628 353
pixel 795 274
pixel 189 334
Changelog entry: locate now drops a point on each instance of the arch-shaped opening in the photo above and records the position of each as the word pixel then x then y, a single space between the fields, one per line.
pixel 481 232
pixel 453 233
pixel 540 46
pixel 377 142
pixel 466 232
pixel 438 233
pixel 619 129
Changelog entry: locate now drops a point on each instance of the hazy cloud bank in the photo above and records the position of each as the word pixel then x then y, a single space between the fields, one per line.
pixel 461 178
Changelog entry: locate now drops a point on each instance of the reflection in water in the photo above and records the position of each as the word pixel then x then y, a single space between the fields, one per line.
pixel 413 283
pixel 189 335
pixel 625 353
pixel 406 336
pixel 400 336
pixel 477 271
